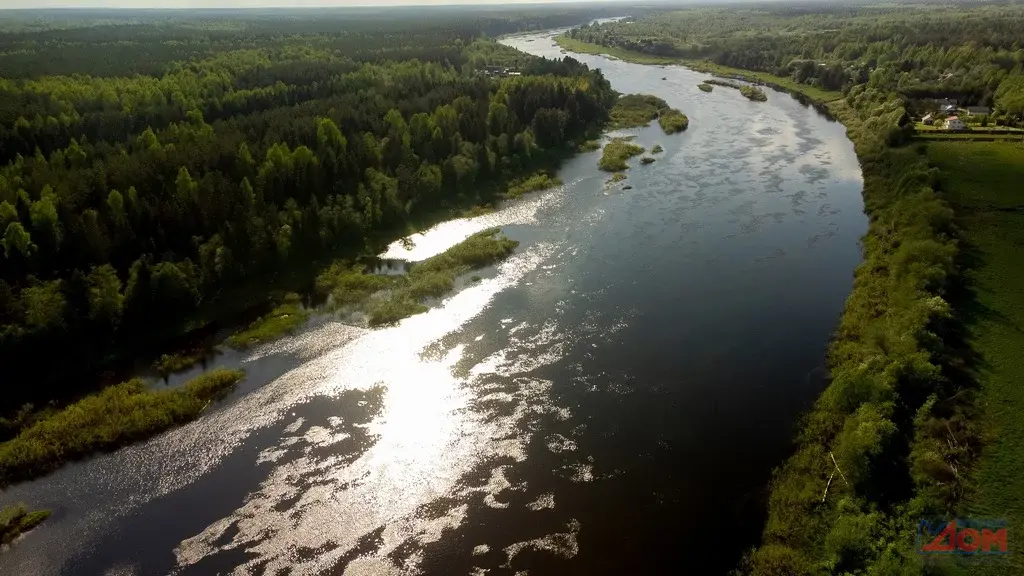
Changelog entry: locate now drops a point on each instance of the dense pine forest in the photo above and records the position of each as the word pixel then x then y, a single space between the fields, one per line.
pixel 161 172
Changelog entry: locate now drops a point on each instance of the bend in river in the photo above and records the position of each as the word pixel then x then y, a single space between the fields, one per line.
pixel 610 400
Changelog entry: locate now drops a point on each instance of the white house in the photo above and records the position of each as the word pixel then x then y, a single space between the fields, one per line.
pixel 928 120
pixel 954 123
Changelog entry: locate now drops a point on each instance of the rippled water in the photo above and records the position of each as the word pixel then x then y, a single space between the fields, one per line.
pixel 610 400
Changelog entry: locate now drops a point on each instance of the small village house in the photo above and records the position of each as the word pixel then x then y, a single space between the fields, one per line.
pixel 928 120
pixel 978 110
pixel 954 123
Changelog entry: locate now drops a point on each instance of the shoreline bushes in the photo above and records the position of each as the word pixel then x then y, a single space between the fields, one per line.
pixel 883 420
pixel 16 519
pixel 283 319
pixel 533 183
pixel 114 417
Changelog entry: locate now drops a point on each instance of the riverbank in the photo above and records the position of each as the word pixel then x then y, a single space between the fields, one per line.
pixel 816 94
pixel 893 436
pixel 117 416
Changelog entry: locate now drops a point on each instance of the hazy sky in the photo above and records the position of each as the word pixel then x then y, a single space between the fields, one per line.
pixel 242 3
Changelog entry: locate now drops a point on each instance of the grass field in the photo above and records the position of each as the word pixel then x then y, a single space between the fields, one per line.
pixel 982 181
pixel 970 136
pixel 812 92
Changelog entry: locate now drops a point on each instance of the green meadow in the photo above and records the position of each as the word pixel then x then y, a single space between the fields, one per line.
pixel 982 181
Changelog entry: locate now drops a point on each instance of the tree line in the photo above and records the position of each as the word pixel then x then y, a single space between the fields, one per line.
pixel 134 208
pixel 918 50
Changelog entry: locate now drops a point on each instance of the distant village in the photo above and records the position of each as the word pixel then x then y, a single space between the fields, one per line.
pixel 947 114
pixel 501 71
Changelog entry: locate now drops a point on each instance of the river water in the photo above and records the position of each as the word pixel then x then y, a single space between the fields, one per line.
pixel 611 400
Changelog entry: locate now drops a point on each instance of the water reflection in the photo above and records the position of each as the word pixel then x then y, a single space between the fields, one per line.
pixel 427 432
pixel 640 358
pixel 437 239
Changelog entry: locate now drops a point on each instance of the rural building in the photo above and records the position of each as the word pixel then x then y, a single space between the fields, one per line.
pixel 496 71
pixel 978 110
pixel 928 120
pixel 954 123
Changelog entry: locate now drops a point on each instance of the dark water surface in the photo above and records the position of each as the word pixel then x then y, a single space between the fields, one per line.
pixel 611 400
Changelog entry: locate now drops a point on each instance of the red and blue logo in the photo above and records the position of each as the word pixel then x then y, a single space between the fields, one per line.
pixel 963 536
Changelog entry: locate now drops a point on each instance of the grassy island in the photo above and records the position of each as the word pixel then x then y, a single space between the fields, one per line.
pixel 672 121
pixel 282 320
pixel 616 153
pixel 705 87
pixel 533 183
pixel 753 93
pixel 16 519
pixel 636 110
pixel 388 299
pixel 117 416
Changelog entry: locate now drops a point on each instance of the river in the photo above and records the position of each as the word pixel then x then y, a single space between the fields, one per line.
pixel 611 400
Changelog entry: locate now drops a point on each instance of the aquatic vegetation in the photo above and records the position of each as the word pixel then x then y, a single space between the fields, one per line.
pixel 617 177
pixel 657 149
pixel 647 160
pixel 672 121
pixel 178 362
pixel 753 93
pixel 532 183
pixel 114 417
pixel 590 146
pixel 391 310
pixel 280 321
pixel 635 110
pixel 349 284
pixel 719 82
pixel 388 299
pixel 616 153
pixel 477 210
pixel 704 86
pixel 16 519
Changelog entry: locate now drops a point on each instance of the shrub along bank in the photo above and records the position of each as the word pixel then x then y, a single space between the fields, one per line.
pixel 115 417
pixel 16 519
pixel 890 440
pixel 388 299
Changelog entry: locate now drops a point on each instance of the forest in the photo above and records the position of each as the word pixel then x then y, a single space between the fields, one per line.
pixel 158 177
pixel 919 50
